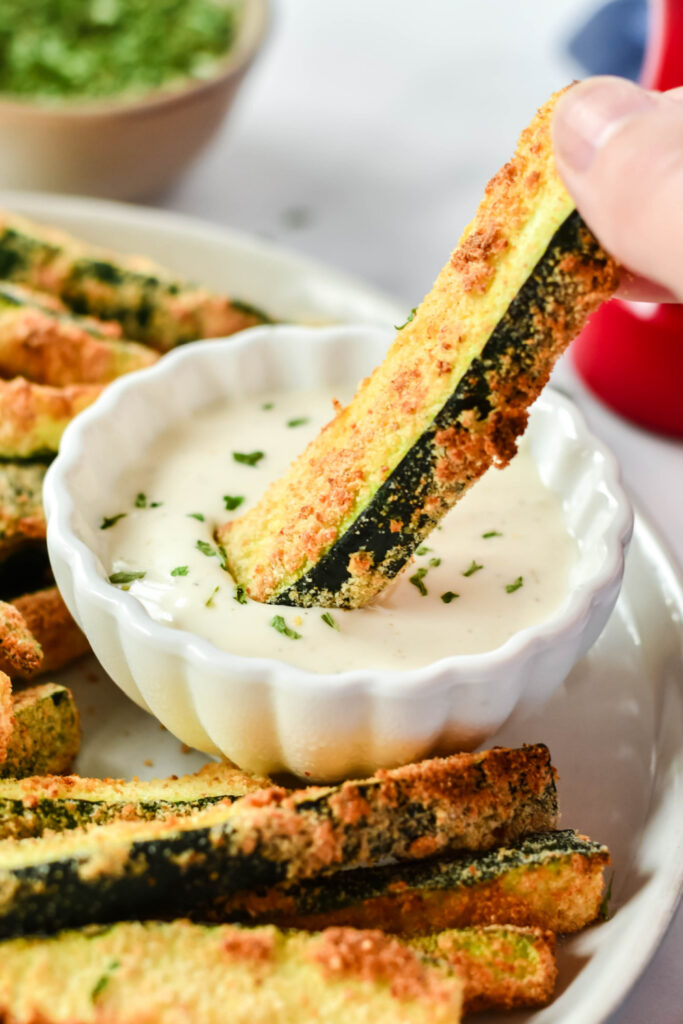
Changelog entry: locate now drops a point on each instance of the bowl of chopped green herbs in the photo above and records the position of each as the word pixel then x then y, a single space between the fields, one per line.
pixel 116 97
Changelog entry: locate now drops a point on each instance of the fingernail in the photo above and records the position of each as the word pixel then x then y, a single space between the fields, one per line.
pixel 589 113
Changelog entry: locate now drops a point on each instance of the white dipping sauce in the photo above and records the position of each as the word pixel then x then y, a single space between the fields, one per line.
pixel 525 562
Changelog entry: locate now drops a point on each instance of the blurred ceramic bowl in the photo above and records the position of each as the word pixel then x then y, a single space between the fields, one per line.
pixel 262 713
pixel 123 149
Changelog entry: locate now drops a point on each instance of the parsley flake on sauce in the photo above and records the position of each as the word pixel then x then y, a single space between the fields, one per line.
pixel 435 562
pixel 240 594
pixel 141 502
pixel 298 421
pixel 278 623
pixel 108 521
pixel 195 515
pixel 511 587
pixel 125 576
pixel 417 580
pixel 209 601
pixel 423 550
pixel 180 570
pixel 473 567
pixel 233 501
pixel 206 549
pixel 267 406
pixel 491 533
pixel 248 458
pixel 449 596
pixel 329 621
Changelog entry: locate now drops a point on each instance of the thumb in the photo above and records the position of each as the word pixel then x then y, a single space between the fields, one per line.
pixel 619 150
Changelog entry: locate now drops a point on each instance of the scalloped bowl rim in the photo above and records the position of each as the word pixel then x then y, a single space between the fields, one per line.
pixel 60 506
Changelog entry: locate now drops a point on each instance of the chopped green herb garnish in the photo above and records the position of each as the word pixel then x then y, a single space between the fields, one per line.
pixel 474 567
pixel 278 623
pixel 449 596
pixel 511 587
pixel 108 521
pixel 240 594
pixel 434 562
pixel 101 983
pixel 329 621
pixel 248 458
pixel 141 500
pixel 604 905
pixel 126 577
pixel 491 533
pixel 423 550
pixel 196 515
pixel 417 578
pixel 206 549
pixel 268 405
pixel 209 601
pixel 411 316
pixel 180 570
pixel 155 504
pixel 298 421
pixel 233 501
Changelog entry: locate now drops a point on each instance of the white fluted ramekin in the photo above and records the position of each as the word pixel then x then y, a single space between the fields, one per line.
pixel 262 713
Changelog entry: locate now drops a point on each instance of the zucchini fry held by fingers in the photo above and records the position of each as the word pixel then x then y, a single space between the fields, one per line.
pixel 448 402
pixel 51 624
pixel 30 806
pixel 52 347
pixel 20 653
pixel 22 517
pixel 149 304
pixel 551 880
pixel 142 869
pixel 33 417
pixel 6 716
pixel 45 734
pixel 176 971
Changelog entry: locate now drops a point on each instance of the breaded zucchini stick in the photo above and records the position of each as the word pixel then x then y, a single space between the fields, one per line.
pixel 149 303
pixel 20 653
pixel 503 967
pixel 141 869
pixel 48 346
pixel 33 417
pixel 22 517
pixel 51 624
pixel 448 402
pixel 6 715
pixel 178 972
pixel 31 806
pixel 551 880
pixel 45 734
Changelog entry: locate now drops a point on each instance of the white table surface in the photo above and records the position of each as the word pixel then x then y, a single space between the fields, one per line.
pixel 364 137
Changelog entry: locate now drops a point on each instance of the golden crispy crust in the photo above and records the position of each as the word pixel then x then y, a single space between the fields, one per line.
pixel 6 714
pixel 301 515
pixel 33 417
pixel 46 732
pixel 49 620
pixel 20 652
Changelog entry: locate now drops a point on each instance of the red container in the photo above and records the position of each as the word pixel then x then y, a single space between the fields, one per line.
pixel 631 353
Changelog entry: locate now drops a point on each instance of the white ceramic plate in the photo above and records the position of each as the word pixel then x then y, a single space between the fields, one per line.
pixel 615 725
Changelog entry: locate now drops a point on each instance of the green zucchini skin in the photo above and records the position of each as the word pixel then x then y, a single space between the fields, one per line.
pixel 520 884
pixel 513 366
pixel 158 868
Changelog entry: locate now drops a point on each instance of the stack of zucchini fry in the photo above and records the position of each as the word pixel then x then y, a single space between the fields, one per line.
pixel 415 895
pixel 64 308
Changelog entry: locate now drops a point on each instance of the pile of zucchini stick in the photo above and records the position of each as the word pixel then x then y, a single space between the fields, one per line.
pixel 418 894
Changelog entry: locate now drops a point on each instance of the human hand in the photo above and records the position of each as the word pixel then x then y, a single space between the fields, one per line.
pixel 619 150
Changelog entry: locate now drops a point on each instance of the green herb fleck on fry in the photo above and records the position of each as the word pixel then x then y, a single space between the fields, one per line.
pixel 248 458
pixel 278 623
pixel 233 501
pixel 180 570
pixel 449 596
pixel 101 983
pixel 240 594
pixel 511 587
pixel 472 568
pixel 126 576
pixel 329 621
pixel 411 317
pixel 108 521
pixel 417 580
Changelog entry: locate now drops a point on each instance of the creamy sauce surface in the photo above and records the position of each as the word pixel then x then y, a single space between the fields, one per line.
pixel 504 549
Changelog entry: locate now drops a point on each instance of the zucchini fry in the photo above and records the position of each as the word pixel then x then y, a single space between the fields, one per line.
pixel 6 716
pixel 52 347
pixel 128 868
pixel 176 972
pixel 503 967
pixel 33 417
pixel 551 880
pixel 448 402
pixel 149 304
pixel 51 624
pixel 21 509
pixel 20 653
pixel 31 806
pixel 46 733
